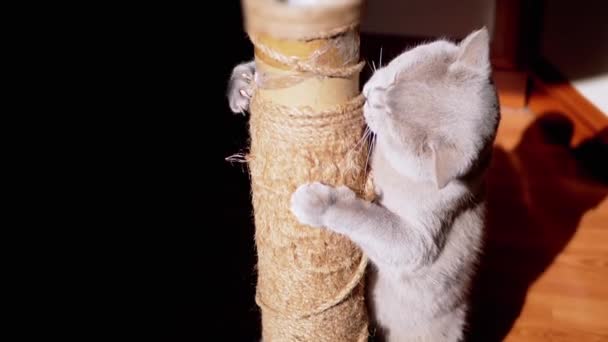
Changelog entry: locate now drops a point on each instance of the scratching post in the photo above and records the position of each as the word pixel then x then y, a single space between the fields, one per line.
pixel 306 125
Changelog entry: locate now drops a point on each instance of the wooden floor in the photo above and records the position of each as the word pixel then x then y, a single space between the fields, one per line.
pixel 545 273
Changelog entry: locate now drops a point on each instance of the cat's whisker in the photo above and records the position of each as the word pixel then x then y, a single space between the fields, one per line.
pixel 364 138
pixel 380 64
pixel 365 133
pixel 357 147
pixel 369 151
pixel 374 65
pixel 358 143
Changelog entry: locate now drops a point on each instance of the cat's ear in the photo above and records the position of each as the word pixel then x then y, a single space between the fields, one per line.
pixel 444 164
pixel 474 50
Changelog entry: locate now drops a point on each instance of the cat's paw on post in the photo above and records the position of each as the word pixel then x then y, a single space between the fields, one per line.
pixel 344 194
pixel 240 87
pixel 310 201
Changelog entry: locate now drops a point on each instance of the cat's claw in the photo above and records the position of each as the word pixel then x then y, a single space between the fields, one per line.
pixel 247 93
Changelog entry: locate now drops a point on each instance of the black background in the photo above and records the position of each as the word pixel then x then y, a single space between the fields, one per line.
pixel 213 276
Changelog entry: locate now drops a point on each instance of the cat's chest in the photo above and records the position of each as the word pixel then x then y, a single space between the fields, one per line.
pixel 400 195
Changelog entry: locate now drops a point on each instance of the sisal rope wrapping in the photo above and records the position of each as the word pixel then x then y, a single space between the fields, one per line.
pixel 307 66
pixel 310 283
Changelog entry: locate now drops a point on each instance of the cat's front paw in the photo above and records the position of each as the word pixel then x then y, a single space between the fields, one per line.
pixel 311 201
pixel 240 88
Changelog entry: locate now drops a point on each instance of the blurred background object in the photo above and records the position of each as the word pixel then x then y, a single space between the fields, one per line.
pixel 569 37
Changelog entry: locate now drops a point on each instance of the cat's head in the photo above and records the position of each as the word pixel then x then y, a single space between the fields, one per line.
pixel 434 107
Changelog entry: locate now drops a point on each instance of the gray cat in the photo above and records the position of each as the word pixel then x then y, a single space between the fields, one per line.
pixel 434 113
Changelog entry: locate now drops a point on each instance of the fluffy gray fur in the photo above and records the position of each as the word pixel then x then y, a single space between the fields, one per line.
pixel 434 113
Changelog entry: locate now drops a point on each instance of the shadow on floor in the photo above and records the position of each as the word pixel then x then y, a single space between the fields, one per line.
pixel 537 195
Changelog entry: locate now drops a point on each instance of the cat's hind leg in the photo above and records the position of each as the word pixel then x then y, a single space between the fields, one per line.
pixel 449 328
